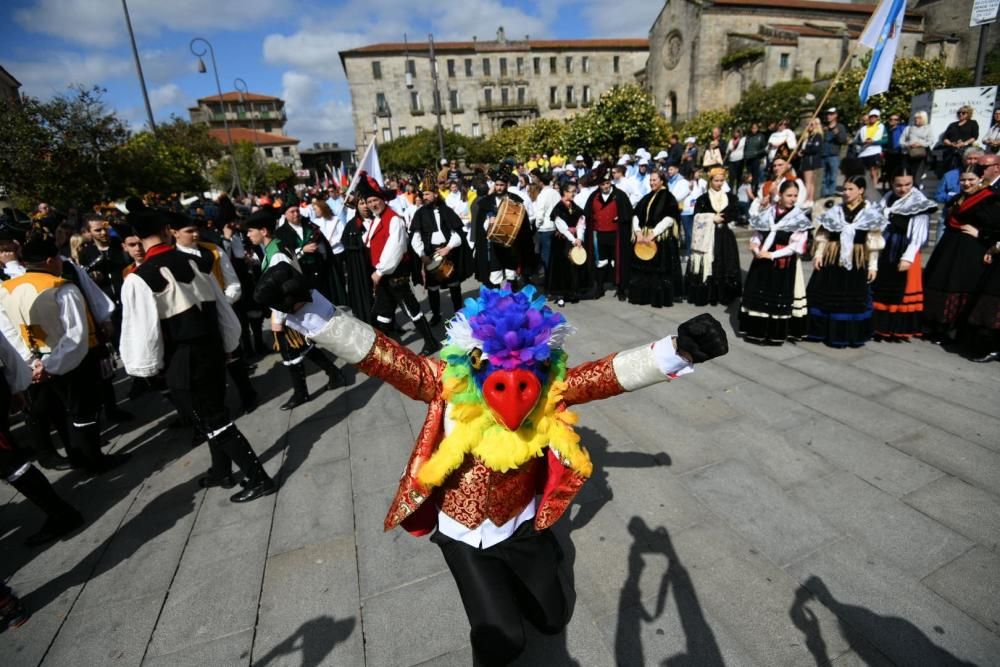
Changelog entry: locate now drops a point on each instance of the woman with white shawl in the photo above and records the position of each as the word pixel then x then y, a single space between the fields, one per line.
pixel 774 296
pixel 845 259
pixel 898 290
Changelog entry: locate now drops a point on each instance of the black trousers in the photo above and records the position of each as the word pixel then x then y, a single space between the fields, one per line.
pixel 391 292
pixel 606 244
pixel 79 391
pixel 500 586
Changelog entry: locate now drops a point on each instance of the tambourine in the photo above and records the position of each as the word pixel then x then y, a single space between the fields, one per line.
pixel 578 255
pixel 644 250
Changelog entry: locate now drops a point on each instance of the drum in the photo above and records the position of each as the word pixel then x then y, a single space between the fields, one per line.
pixel 441 268
pixel 578 255
pixel 507 223
pixel 645 250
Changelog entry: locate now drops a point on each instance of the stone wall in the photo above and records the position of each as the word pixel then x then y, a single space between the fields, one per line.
pixel 951 17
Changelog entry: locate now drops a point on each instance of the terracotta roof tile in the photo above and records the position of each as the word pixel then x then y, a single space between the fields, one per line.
pixel 513 45
pixel 246 134
pixel 234 96
pixel 815 5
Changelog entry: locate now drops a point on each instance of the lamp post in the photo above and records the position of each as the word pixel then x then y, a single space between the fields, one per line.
pixel 138 69
pixel 218 86
pixel 434 78
pixel 241 87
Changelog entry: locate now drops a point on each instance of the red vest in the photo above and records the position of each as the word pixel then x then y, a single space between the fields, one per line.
pixel 376 240
pixel 605 215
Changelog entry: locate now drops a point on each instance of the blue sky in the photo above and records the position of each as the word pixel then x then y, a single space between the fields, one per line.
pixel 280 47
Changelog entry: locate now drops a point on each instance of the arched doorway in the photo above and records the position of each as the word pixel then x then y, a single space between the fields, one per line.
pixel 508 123
pixel 673 107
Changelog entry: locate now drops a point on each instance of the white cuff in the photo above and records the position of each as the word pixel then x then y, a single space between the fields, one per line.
pixel 668 361
pixel 312 317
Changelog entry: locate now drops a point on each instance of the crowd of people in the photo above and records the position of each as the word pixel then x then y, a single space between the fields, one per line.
pixel 167 285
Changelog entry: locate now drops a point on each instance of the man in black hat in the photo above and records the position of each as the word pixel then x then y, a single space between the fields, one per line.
pixel 293 347
pixel 59 333
pixel 176 321
pixel 504 263
pixel 436 234
pixel 387 242
pixel 609 213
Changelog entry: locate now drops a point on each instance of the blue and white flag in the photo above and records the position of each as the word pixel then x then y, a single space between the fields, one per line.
pixel 882 35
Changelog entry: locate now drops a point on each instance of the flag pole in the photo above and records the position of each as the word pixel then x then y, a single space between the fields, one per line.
pixel 833 84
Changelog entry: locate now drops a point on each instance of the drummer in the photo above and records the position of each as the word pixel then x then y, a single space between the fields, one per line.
pixel 438 239
pixel 572 273
pixel 504 263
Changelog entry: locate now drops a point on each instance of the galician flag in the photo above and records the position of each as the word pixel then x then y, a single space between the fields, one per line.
pixel 882 35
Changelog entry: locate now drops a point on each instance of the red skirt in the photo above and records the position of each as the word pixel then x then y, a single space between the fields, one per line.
pixel 898 312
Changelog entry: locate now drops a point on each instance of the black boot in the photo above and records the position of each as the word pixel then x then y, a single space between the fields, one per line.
pixel 300 393
pixel 334 378
pixel 60 517
pixel 110 402
pixel 87 440
pixel 434 301
pixel 256 482
pixel 241 380
pixel 456 297
pixel 431 344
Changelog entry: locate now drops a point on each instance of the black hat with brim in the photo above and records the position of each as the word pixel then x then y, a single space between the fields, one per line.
pixel 264 218
pixel 368 187
pixel 38 248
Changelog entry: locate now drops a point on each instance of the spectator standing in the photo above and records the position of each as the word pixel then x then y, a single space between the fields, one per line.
pixel 812 158
pixel 689 158
pixel 834 137
pixel 991 140
pixel 960 134
pixel 675 151
pixel 782 141
pixel 871 138
pixel 735 148
pixel 893 149
pixel 754 151
pixel 547 199
pixel 915 144
pixel 712 156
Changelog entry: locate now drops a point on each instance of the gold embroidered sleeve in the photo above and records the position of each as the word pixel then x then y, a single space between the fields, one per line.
pixel 592 381
pixel 415 376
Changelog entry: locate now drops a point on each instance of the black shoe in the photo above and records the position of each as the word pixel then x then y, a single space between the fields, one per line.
pixel 992 356
pixel 55 528
pixel 208 481
pixel 435 320
pixel 55 462
pixel 335 379
pixel 118 415
pixel 294 402
pixel 108 462
pixel 264 487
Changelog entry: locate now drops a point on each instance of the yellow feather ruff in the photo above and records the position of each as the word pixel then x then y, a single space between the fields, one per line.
pixel 475 431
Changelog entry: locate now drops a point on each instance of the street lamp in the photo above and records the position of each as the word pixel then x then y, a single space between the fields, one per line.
pixel 434 78
pixel 201 70
pixel 241 87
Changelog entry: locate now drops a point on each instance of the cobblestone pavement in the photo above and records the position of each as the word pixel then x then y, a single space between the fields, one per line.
pixel 790 505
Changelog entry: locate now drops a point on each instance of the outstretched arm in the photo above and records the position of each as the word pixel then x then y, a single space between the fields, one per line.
pixel 699 339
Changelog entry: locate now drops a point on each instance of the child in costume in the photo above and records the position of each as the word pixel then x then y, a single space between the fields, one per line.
pixel 497 461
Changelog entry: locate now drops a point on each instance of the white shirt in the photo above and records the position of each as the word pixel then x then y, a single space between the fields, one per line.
pixel 233 289
pixel 456 202
pixel 779 138
pixel 70 350
pixel 333 230
pixel 395 245
pixel 437 237
pixel 680 188
pixel 563 228
pixel 580 199
pixel 16 370
pixel 141 345
pixel 544 203
pixel 630 188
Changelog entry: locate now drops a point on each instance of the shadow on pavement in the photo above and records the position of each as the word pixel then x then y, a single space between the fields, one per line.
pixel 701 645
pixel 314 639
pixel 905 643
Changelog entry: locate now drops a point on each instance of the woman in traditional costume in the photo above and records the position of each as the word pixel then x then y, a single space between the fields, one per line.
pixel 357 265
pixel 566 280
pixel 655 279
pixel 956 268
pixel 898 292
pixel 774 297
pixel 845 260
pixel 713 271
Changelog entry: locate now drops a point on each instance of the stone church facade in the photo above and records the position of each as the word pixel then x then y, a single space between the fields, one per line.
pixel 705 54
pixel 484 85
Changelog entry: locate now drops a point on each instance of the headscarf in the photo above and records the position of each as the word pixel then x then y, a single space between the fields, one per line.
pixel 869 218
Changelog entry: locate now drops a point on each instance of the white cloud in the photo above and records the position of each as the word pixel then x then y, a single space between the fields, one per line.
pixel 62 69
pixel 166 97
pixel 324 121
pixel 622 18
pixel 311 49
pixel 96 23
pixel 298 90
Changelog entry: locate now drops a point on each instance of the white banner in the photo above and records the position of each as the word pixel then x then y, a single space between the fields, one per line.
pixel 983 12
pixel 942 106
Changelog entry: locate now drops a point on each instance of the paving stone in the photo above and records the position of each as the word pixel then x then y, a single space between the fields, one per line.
pixel 319 439
pixel 971 582
pixel 953 385
pixel 940 361
pixel 759 511
pixel 947 416
pixel 878 463
pixel 382 407
pixel 122 626
pixel 968 461
pixel 751 400
pixel 232 651
pixel 379 457
pixel 731 577
pixel 579 644
pixel 962 507
pixel 788 464
pixel 853 378
pixel 310 613
pixel 460 658
pixel 390 560
pixel 779 353
pixel 888 608
pixel 313 506
pixel 399 631
pixel 784 379
pixel 25 646
pixel 885 524
pixel 858 412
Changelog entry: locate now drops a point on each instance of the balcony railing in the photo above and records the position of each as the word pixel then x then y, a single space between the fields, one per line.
pixel 529 104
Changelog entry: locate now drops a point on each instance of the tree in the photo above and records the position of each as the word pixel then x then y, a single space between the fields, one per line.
pixel 910 76
pixel 623 117
pixel 64 151
pixel 253 171
pixel 275 174
pixel 416 152
pixel 759 104
pixel 174 159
